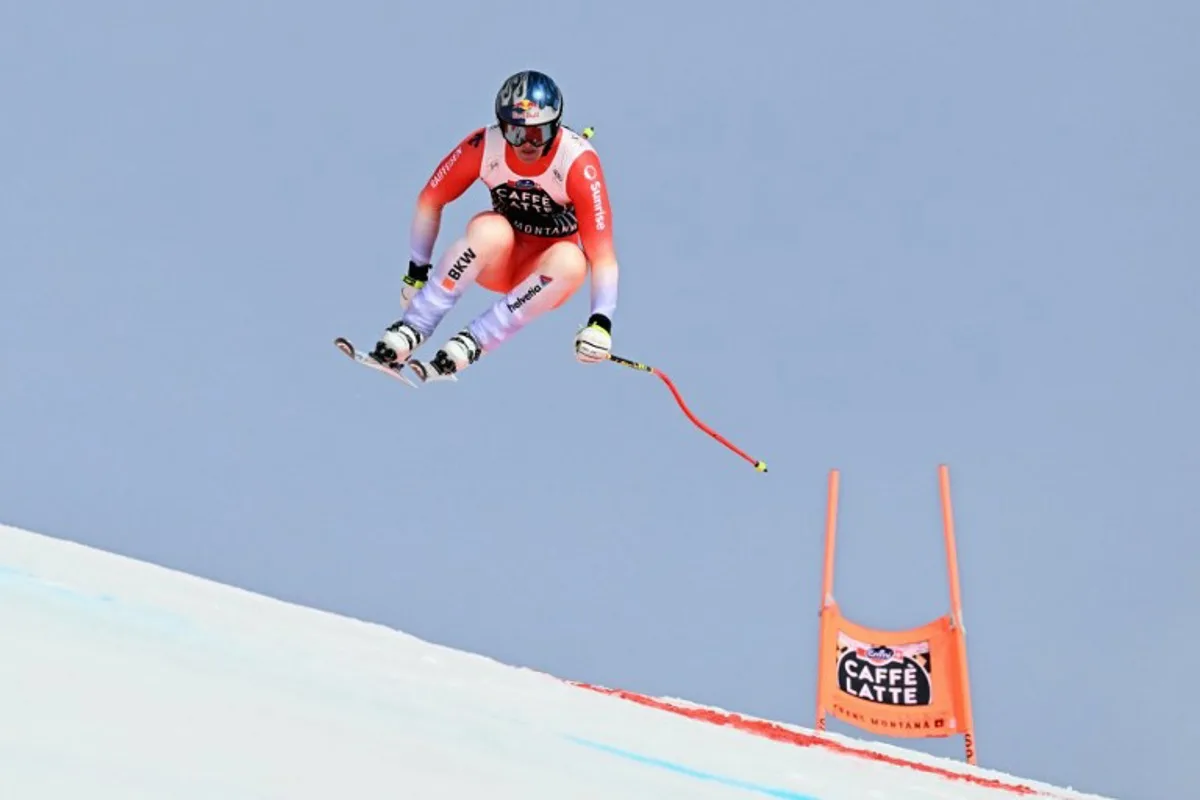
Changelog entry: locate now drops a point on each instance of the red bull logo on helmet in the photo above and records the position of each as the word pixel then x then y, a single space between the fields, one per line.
pixel 528 110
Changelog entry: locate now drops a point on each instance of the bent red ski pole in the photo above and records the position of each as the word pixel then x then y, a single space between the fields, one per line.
pixel 761 466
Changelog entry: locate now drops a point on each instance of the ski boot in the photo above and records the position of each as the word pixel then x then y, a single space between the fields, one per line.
pixel 397 344
pixel 460 351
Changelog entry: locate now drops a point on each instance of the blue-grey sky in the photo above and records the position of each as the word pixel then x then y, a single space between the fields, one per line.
pixel 876 237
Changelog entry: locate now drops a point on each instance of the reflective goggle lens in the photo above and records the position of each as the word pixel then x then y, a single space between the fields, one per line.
pixel 538 135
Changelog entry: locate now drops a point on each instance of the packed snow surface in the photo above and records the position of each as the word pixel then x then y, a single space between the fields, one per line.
pixel 124 680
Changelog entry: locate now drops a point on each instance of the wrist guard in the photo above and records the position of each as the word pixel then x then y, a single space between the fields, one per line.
pixel 417 273
pixel 600 321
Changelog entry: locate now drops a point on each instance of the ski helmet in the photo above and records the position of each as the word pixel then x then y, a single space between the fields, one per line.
pixel 529 108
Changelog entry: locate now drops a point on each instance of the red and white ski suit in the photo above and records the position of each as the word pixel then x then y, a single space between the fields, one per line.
pixel 560 196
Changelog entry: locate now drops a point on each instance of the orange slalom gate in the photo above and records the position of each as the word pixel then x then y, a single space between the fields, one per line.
pixel 909 683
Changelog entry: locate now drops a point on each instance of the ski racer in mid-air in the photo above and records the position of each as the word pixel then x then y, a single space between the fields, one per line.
pixel 550 221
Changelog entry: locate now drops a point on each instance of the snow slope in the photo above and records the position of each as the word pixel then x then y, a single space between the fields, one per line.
pixel 125 680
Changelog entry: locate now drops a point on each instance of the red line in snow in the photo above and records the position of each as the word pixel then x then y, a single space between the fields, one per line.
pixel 778 733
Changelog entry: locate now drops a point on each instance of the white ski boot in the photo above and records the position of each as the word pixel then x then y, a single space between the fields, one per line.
pixel 397 344
pixel 457 354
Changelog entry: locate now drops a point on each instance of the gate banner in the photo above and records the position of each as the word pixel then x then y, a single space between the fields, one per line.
pixel 909 683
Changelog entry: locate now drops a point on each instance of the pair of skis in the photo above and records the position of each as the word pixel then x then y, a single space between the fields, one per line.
pixel 347 347
pixel 397 372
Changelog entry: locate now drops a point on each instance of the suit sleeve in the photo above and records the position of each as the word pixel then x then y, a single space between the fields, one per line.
pixel 588 192
pixel 454 175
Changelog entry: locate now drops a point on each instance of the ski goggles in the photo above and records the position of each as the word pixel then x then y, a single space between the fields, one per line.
pixel 537 135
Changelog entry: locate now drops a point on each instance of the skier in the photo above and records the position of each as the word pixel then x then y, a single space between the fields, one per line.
pixel 550 220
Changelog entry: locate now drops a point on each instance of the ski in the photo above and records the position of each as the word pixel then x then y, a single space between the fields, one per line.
pixel 347 347
pixel 426 373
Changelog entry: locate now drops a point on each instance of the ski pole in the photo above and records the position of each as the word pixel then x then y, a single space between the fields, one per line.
pixel 761 466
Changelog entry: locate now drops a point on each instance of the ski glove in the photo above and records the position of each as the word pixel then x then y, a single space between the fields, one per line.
pixel 413 281
pixel 594 341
